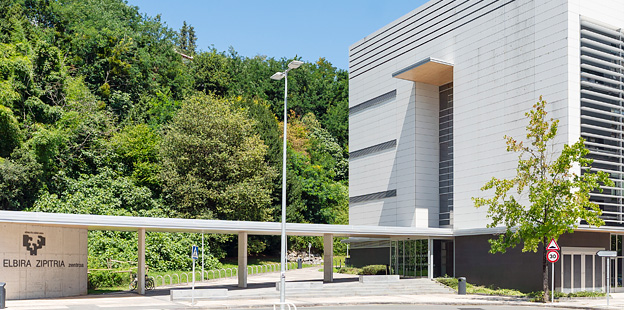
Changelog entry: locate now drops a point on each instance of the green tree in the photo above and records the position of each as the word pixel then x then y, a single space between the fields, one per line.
pixel 10 133
pixel 558 198
pixel 214 164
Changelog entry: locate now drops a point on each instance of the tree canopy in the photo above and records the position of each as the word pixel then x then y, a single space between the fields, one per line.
pixel 557 197
pixel 100 114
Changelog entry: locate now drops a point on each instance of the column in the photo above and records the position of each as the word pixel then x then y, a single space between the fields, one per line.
pixel 242 259
pixel 328 253
pixel 430 258
pixel 141 262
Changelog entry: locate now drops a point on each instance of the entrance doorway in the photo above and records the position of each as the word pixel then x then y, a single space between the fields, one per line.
pixel 408 258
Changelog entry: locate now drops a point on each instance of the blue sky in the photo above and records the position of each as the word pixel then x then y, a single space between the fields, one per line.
pixel 309 29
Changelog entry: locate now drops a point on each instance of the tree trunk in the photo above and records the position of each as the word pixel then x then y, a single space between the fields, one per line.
pixel 545 272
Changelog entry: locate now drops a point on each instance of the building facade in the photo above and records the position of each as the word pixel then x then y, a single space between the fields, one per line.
pixel 431 96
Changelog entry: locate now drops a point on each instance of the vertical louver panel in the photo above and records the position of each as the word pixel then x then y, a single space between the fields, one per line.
pixel 602 111
pixel 445 165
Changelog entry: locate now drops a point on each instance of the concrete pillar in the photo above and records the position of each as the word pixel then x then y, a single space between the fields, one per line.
pixel 141 262
pixel 328 253
pixel 430 258
pixel 242 259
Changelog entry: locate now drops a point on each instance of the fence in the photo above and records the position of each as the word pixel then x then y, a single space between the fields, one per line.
pixel 176 278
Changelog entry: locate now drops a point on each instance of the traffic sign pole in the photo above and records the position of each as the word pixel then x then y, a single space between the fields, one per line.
pixel 194 257
pixel 607 255
pixel 552 256
pixel 608 279
pixel 552 290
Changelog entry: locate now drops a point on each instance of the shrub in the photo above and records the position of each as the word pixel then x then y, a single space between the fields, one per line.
pixel 374 269
pixel 450 282
pixel 350 270
pixel 99 279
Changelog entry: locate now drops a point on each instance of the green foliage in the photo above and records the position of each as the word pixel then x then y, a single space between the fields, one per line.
pixel 10 134
pixel 100 279
pixel 478 289
pixel 350 270
pixel 187 39
pixel 374 270
pixel 211 71
pixel 100 115
pixel 19 180
pixel 558 197
pixel 137 148
pixel 213 163
pixel 105 193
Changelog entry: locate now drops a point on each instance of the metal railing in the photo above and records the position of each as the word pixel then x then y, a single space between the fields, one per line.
pixel 289 304
pixel 186 277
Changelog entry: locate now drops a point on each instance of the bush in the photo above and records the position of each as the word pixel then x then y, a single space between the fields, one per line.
pixel 450 282
pixel 350 270
pixel 99 279
pixel 374 269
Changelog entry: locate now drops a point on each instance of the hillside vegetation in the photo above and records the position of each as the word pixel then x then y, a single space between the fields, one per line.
pixel 100 114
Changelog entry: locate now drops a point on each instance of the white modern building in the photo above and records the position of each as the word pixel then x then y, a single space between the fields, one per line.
pixel 431 96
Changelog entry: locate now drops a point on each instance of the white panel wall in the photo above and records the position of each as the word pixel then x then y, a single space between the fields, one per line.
pixel 515 57
pixel 503 61
pixel 427 157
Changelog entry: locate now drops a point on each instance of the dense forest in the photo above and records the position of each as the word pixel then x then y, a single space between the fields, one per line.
pixel 100 113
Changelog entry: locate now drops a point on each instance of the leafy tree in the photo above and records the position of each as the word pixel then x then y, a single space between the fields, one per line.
pixel 10 133
pixel 213 163
pixel 187 39
pixel 137 148
pixel 19 180
pixel 558 198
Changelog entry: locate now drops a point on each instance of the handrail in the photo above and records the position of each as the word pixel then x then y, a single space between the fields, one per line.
pixel 289 304
pixel 161 278
pixel 222 272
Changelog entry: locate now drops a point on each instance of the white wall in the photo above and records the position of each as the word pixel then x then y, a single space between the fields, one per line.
pixel 503 61
pixel 59 268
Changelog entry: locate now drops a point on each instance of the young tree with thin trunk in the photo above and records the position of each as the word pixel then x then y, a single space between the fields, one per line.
pixel 556 197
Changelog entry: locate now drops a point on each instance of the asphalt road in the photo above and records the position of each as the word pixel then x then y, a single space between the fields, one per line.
pixel 422 307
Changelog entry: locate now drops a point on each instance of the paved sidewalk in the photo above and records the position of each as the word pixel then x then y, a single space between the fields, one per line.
pixel 262 294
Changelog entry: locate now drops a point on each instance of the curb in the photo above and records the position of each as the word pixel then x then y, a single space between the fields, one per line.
pixel 443 303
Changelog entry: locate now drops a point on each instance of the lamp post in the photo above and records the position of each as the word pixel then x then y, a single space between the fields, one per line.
pixel 278 76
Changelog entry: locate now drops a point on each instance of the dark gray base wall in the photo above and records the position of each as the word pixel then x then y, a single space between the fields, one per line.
pixel 514 269
pixel 371 256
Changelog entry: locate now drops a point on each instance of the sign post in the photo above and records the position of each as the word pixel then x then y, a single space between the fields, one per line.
pixel 608 255
pixel 552 256
pixel 194 256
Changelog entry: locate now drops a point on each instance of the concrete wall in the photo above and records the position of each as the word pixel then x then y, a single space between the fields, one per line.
pixel 521 271
pixel 33 268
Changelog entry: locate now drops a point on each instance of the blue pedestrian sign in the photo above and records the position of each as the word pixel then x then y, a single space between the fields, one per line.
pixel 195 252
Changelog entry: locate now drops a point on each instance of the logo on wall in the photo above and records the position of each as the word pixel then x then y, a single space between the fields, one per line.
pixel 32 246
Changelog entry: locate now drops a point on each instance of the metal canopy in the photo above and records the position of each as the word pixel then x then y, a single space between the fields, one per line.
pixel 429 71
pixel 130 223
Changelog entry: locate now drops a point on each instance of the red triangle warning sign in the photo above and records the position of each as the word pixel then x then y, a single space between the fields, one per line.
pixel 553 245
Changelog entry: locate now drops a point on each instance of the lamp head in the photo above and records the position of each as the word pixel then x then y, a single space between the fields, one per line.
pixel 295 64
pixel 278 76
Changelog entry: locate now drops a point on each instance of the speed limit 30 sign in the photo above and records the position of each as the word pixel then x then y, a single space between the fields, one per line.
pixel 552 256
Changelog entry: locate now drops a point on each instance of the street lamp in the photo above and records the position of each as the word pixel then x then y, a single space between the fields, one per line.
pixel 278 76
